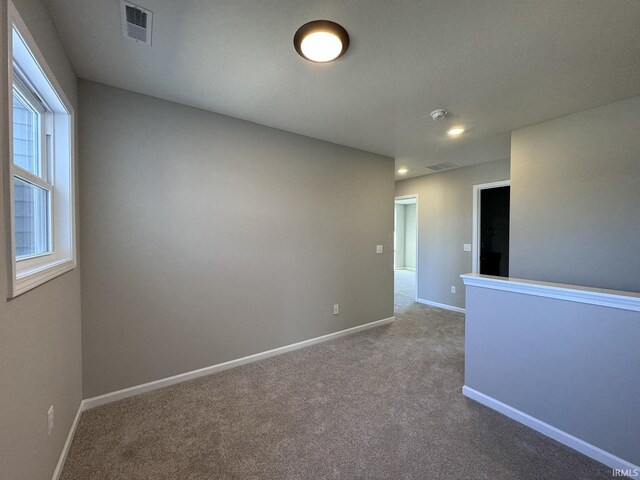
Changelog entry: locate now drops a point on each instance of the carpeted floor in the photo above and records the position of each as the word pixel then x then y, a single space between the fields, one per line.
pixel 404 288
pixel 382 404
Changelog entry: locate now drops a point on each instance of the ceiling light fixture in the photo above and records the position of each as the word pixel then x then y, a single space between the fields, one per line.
pixel 454 132
pixel 403 170
pixel 321 41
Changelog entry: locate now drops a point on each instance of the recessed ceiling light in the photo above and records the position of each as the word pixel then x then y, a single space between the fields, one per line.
pixel 455 131
pixel 321 41
pixel 403 170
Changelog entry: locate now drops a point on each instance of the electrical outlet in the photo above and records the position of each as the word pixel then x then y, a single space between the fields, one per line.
pixel 379 249
pixel 50 419
pixel 336 309
pixel 453 289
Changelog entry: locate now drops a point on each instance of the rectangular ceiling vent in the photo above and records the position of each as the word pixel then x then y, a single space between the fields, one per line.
pixel 136 23
pixel 441 166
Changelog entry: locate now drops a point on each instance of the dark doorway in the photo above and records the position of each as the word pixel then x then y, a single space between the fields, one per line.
pixel 494 231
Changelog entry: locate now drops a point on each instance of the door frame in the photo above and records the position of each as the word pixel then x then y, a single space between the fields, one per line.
pixel 404 197
pixel 475 240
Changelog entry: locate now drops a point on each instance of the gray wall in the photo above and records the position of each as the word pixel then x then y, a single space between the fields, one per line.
pixel 575 198
pixel 410 236
pixel 445 205
pixel 571 365
pixel 400 234
pixel 206 238
pixel 40 353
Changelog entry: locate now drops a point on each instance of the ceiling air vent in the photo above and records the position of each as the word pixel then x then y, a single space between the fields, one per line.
pixel 441 166
pixel 136 23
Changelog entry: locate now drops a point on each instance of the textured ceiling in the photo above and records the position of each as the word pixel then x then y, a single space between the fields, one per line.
pixel 496 65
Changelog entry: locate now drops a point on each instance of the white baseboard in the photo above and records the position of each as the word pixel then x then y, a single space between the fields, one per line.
pixel 183 377
pixel 441 305
pixel 550 431
pixel 67 444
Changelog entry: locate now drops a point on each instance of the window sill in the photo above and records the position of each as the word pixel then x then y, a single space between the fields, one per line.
pixel 33 278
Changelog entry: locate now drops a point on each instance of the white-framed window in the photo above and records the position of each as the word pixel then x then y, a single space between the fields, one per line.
pixel 41 230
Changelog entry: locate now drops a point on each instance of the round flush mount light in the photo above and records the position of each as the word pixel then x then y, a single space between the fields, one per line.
pixel 321 41
pixel 403 170
pixel 454 132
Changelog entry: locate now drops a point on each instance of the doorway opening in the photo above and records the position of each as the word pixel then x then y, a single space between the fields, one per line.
pixel 405 248
pixel 490 248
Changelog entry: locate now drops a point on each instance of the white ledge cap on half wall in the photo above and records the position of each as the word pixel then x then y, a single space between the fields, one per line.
pixel 572 293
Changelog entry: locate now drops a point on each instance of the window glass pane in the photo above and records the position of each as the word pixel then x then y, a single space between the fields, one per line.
pixel 31 218
pixel 25 136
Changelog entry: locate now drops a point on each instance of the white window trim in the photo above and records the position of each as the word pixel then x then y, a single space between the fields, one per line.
pixel 26 274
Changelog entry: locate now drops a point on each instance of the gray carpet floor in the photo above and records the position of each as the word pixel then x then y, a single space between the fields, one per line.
pixel 405 287
pixel 381 404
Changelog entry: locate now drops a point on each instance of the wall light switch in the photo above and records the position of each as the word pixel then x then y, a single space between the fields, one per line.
pixel 467 247
pixel 379 249
pixel 336 309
